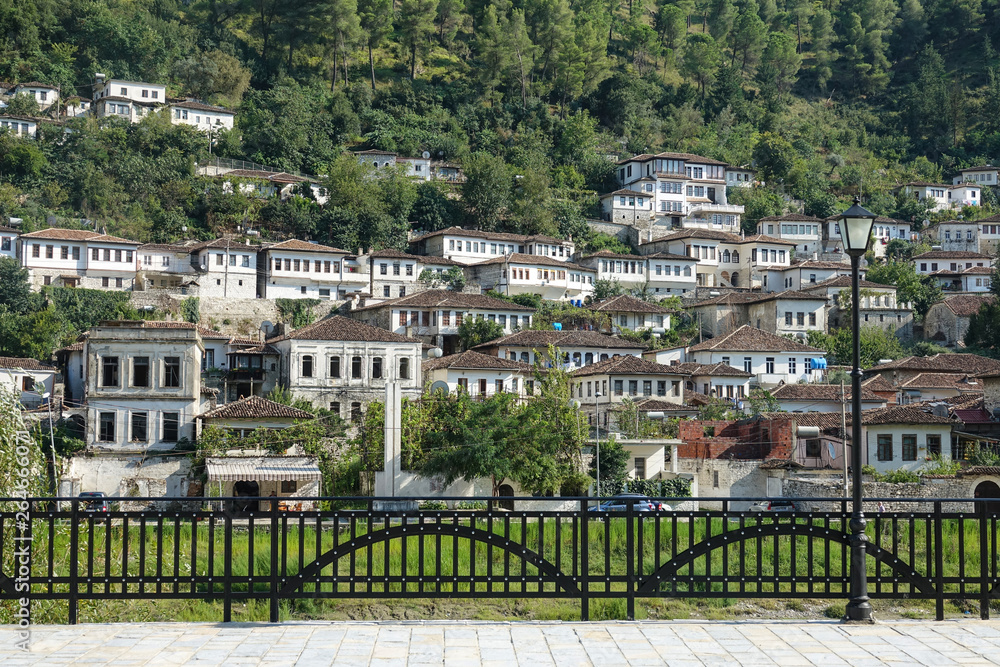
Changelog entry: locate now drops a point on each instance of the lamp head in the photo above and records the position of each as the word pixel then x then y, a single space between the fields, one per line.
pixel 856 228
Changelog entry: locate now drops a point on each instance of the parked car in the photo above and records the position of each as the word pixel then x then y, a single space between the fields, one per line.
pixel 621 502
pixel 93 501
pixel 775 505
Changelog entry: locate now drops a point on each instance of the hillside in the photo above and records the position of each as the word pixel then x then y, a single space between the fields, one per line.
pixel 827 100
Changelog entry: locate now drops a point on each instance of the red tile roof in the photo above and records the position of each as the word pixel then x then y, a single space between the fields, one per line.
pixel 13 363
pixel 475 361
pixel 627 365
pixel 255 407
pixel 448 299
pixel 542 339
pixel 339 328
pixel 627 304
pixel 751 339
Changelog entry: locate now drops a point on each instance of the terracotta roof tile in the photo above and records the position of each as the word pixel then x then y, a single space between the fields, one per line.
pixel 496 236
pixel 627 365
pixel 877 384
pixel 304 246
pixel 951 254
pixel 475 361
pixel 627 304
pixel 341 328
pixel 542 260
pixel 820 392
pixel 790 217
pixel 845 281
pixel 448 299
pixel 256 407
pixel 58 234
pixel 750 339
pixel 713 370
pixel 12 363
pixel 734 298
pixel 971 364
pixel 965 305
pixel 390 253
pixel 542 339
pixel 960 381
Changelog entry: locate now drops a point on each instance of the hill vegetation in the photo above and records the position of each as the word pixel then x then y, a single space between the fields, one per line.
pixel 829 99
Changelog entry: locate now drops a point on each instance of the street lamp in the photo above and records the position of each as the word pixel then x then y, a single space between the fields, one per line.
pixel 856 230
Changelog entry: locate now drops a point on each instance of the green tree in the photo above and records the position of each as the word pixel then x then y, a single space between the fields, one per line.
pixel 613 464
pixel 780 64
pixel 376 22
pixel 701 60
pixel 213 76
pixel 921 292
pixel 476 331
pixel 486 193
pixel 15 289
pixel 416 25
pixel 774 156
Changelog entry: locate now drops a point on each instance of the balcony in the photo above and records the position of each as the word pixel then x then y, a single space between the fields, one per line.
pixel 245 375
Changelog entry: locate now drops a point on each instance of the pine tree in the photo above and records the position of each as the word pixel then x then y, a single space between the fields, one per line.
pixel 376 22
pixel 416 25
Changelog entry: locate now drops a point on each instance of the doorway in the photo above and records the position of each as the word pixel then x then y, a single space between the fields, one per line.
pixel 506 491
pixel 246 489
pixel 989 490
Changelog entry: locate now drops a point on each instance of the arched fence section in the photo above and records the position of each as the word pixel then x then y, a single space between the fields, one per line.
pixel 216 550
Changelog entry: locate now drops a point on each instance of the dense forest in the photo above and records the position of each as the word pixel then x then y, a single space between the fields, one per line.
pixel 535 98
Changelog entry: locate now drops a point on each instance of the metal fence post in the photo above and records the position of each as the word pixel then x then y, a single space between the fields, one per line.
pixel 227 555
pixel 939 560
pixel 74 548
pixel 584 562
pixel 630 518
pixel 274 560
pixel 984 562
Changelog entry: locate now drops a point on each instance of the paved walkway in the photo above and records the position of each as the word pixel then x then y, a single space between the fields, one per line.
pixel 528 644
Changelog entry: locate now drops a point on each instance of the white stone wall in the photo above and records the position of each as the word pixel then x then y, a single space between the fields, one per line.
pixel 719 478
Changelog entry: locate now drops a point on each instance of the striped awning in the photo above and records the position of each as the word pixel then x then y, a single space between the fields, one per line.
pixel 269 469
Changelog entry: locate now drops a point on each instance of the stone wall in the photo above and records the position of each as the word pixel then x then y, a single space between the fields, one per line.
pixel 230 316
pixel 725 479
pixel 895 496
pixel 750 439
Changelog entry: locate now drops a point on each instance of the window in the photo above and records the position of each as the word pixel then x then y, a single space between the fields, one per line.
pixel 747 365
pixel 48 252
pixel 395 269
pixel 792 365
pixel 788 319
pixel 498 386
pixel 386 292
pixel 640 468
pixel 376 367
pixel 106 256
pixel 208 359
pixel 106 429
pixel 909 448
pixel 105 282
pixel 171 371
pixel 64 252
pixel 647 387
pixel 335 367
pixel 633 387
pixel 109 371
pixel 307 366
pixel 139 431
pixel 355 411
pixel 119 282
pixel 769 365
pixel 800 319
pixel 463 384
pixel 355 367
pixel 304 289
pixel 619 387
pixel 661 387
pixel 171 426
pixel 404 369
pixel 934 445
pixel 813 449
pixel 885 448
pixel 140 370
pixel 812 319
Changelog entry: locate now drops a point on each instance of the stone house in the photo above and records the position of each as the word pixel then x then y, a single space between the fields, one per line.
pixel 879 306
pixel 947 321
pixel 78 258
pixel 397 274
pixel 342 364
pixel 787 312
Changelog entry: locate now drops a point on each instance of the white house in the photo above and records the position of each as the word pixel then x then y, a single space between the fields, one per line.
pixel 822 398
pixel 225 268
pixel 397 274
pixel 342 364
pixel 989 234
pixel 629 270
pixel 956 270
pixel 44 94
pixel 469 246
pixel 603 385
pixel 740 177
pixel 900 437
pixel 480 375
pixel 786 313
pixel 888 229
pixel 298 269
pixel 981 175
pixel 943 197
pixel 627 312
pixel 685 190
pixel 553 279
pixel 127 99
pixel 434 316
pixel 718 380
pixel 21 126
pixel 773 359
pixel 201 116
pixel 28 379
pixel 78 258
pixel 879 306
pixel 938 386
pixel 671 274
pixel 8 242
pixel 143 384
pixel 805 230
pixel 578 348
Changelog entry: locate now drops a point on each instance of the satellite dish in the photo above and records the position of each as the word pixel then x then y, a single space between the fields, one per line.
pixel 267 327
pixel 441 386
pixel 425 154
pixel 435 353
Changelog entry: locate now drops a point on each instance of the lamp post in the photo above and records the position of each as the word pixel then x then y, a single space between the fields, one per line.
pixel 597 467
pixel 856 230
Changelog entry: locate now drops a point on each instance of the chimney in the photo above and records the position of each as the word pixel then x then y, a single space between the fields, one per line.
pixel 815 256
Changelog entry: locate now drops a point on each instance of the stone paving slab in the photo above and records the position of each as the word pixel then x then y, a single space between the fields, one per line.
pixel 524 644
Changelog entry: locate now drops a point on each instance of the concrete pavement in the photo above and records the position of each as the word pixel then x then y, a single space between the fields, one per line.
pixel 524 644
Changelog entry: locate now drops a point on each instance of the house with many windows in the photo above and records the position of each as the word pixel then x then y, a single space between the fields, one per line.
pixel 603 385
pixel 941 197
pixel 78 258
pixel 19 126
pixel 44 94
pixel 772 359
pixel 879 306
pixel 396 274
pixel 628 312
pixel 981 175
pixel 480 375
pixel 434 316
pixel 899 437
pixel 953 235
pixel 201 116
pixel 956 270
pixel 718 380
pixel 469 246
pixel 578 348
pixel 805 230
pixel 786 313
pixel 553 279
pixel 342 364
pixel 803 274
pixel 296 269
pixel 682 190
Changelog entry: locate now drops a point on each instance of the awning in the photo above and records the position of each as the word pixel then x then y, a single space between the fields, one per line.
pixel 271 469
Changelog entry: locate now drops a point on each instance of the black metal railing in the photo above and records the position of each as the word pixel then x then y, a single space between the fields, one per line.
pixel 236 550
